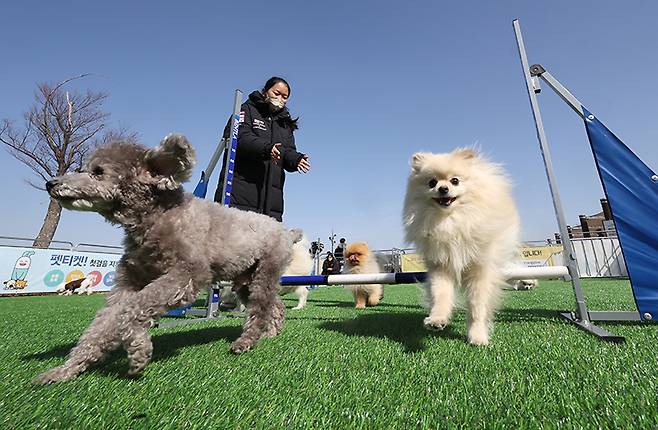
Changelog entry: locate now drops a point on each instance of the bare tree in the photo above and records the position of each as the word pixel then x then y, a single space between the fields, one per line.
pixel 59 131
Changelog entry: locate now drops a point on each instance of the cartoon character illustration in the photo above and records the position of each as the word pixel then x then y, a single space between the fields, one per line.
pixel 22 266
pixel 17 279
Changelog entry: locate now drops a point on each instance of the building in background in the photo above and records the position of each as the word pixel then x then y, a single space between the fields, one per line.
pixel 597 225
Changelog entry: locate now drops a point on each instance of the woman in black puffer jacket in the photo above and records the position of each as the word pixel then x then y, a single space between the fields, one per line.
pixel 266 150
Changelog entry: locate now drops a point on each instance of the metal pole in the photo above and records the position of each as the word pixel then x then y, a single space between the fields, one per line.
pixel 230 145
pixel 581 307
pixel 582 318
pixel 215 157
pixel 333 239
pixel 214 297
pixel 570 99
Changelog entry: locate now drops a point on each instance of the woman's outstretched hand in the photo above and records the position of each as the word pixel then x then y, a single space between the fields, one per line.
pixel 276 153
pixel 304 165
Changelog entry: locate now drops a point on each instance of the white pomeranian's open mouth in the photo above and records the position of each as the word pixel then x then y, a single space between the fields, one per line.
pixel 444 201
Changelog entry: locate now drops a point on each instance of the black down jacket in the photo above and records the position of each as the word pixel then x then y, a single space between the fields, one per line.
pixel 257 181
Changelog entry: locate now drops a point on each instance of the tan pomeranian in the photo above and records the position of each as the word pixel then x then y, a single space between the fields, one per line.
pixel 359 259
pixel 460 215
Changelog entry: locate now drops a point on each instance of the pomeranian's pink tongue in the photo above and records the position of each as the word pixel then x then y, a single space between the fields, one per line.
pixel 445 201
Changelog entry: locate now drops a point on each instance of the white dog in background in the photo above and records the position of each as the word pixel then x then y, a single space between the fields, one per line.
pixel 301 265
pixel 460 215
pixel 524 284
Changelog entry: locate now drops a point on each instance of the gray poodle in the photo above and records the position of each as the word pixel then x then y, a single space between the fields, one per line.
pixel 175 245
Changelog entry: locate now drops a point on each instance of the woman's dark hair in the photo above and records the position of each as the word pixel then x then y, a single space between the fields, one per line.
pixel 272 82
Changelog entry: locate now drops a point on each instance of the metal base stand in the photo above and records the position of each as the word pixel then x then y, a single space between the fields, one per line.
pixel 211 312
pixel 593 329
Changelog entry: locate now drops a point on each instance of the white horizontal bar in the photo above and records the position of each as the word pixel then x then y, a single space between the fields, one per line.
pixel 362 278
pixel 545 272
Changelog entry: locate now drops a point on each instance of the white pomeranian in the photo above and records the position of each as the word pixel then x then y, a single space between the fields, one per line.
pixel 460 215
pixel 359 259
pixel 301 265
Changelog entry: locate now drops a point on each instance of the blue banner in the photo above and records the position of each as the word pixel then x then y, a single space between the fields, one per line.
pixel 632 191
pixel 32 270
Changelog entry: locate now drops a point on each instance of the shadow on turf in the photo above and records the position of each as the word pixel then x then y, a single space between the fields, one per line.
pixel 526 315
pixel 164 346
pixel 350 304
pixel 404 328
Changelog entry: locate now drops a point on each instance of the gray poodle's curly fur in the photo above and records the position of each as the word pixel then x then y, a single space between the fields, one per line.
pixel 175 244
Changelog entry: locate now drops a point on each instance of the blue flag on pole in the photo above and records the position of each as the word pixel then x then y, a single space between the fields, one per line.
pixel 202 187
pixel 632 191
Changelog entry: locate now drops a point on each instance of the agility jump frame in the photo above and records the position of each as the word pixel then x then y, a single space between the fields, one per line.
pixel 631 189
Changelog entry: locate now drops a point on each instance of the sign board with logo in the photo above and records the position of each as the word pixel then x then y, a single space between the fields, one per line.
pixel 31 270
pixel 540 256
pixel 412 263
pixel 530 256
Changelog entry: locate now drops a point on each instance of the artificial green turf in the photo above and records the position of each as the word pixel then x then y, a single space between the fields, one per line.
pixel 337 367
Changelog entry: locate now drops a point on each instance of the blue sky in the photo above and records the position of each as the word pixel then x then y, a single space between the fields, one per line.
pixel 373 82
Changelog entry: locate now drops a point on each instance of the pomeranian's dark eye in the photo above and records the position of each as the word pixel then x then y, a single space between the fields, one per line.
pixel 432 183
pixel 98 171
pixel 454 181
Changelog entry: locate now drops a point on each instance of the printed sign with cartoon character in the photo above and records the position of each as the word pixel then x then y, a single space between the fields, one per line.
pixel 17 280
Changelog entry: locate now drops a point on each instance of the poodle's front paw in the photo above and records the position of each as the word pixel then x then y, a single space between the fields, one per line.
pixel 271 332
pixel 273 329
pixel 478 335
pixel 135 368
pixel 435 324
pixel 56 374
pixel 297 307
pixel 137 362
pixel 140 351
pixel 240 346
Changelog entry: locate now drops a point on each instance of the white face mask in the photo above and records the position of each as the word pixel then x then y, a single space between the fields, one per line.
pixel 276 104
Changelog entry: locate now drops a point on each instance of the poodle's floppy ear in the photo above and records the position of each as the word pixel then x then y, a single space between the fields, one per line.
pixel 465 153
pixel 417 161
pixel 172 161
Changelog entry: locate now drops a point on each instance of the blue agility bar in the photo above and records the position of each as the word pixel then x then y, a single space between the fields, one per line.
pixel 513 272
pixel 375 278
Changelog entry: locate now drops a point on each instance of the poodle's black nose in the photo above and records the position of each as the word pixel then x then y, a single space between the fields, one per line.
pixel 443 189
pixel 50 184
